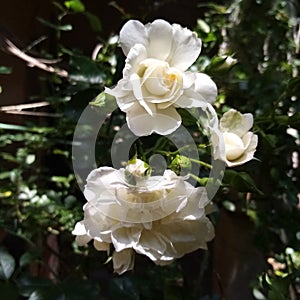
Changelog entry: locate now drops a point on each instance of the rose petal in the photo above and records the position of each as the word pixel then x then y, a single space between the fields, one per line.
pixel 101 246
pixel 203 90
pixel 123 261
pixel 186 48
pixel 162 122
pixel 137 54
pixel 137 91
pixel 235 122
pixel 132 33
pixel 249 152
pixel 79 229
pixel 160 39
pixel 206 87
pixel 100 180
pixel 250 141
pixel 82 240
pixel 190 99
pixel 203 233
pixel 188 79
pixel 124 238
pixel 152 244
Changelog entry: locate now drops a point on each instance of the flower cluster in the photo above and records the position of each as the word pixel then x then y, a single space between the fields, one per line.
pixel 163 217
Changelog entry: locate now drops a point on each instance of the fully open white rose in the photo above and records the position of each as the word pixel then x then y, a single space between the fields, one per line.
pixel 155 81
pixel 162 217
pixel 240 143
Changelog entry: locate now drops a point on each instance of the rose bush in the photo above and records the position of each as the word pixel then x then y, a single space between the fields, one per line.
pixel 162 217
pixel 155 78
pixel 240 143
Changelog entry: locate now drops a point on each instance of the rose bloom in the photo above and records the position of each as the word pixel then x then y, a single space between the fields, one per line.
pixel 155 78
pixel 162 217
pixel 240 143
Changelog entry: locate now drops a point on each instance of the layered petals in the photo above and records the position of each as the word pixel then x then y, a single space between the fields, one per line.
pixel 177 224
pixel 155 81
pixel 240 143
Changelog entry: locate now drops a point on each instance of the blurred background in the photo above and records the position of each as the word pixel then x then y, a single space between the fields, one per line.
pixel 55 58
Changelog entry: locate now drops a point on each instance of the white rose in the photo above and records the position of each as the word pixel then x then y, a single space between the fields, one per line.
pixel 155 81
pixel 163 217
pixel 240 143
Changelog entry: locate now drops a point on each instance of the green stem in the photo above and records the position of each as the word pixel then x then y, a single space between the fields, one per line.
pixel 200 162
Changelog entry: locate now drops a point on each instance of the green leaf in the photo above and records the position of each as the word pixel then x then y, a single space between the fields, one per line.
pixel 12 127
pixel 94 21
pixel 85 70
pixel 203 26
pixel 106 102
pixel 271 139
pixel 75 5
pixel 7 264
pixel 5 70
pixel 27 258
pixel 241 181
pixel 67 27
pixel 59 6
pixel 5 175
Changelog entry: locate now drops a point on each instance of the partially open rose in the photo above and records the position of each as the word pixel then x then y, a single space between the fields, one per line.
pixel 155 81
pixel 240 143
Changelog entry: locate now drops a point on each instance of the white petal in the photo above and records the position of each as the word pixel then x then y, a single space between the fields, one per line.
pixel 204 232
pixel 234 146
pixel 97 224
pixel 160 39
pixel 186 48
pixel 206 87
pixel 138 94
pixel 101 246
pixel 250 141
pixel 235 122
pixel 249 152
pixel 82 240
pixel 188 79
pixel 137 54
pixel 118 90
pixel 162 122
pixel 203 90
pixel 123 261
pixel 124 238
pixel 100 180
pixel 190 99
pixel 79 229
pixel 133 32
pixel 218 144
pixel 126 102
pixel 152 244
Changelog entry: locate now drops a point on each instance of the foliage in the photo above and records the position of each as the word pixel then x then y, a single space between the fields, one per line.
pixel 254 59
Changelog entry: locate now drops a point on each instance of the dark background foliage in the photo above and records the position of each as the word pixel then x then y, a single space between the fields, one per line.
pixel 255 254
